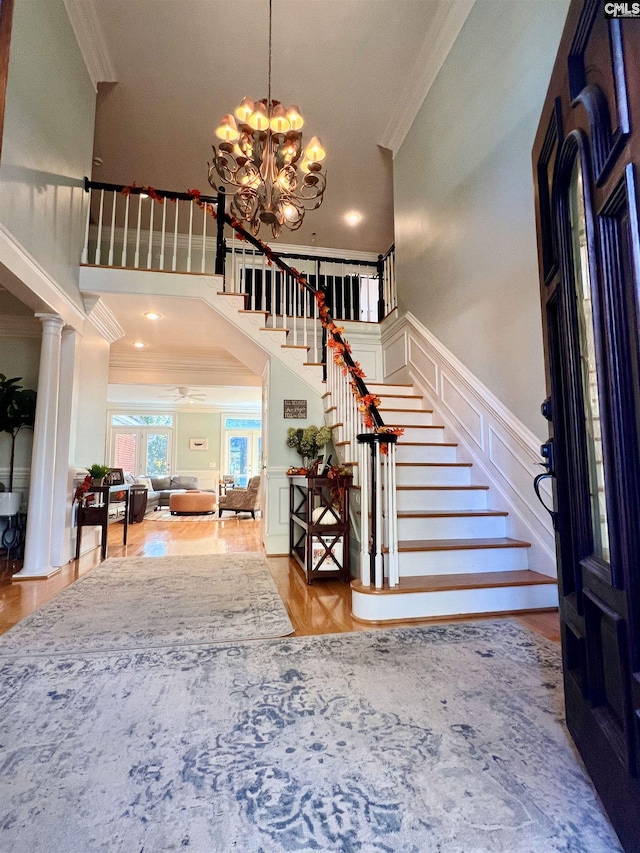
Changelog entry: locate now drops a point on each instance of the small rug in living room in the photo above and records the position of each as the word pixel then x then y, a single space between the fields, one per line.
pixel 165 515
pixel 142 602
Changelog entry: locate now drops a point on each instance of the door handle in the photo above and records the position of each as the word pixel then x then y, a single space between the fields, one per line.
pixel 546 451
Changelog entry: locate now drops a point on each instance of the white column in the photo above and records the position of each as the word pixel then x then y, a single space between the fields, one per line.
pixel 62 516
pixel 37 551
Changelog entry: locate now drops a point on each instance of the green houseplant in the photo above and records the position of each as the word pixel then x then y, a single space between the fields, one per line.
pixel 97 473
pixel 17 412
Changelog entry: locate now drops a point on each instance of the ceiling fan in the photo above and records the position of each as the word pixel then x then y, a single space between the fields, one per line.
pixel 181 392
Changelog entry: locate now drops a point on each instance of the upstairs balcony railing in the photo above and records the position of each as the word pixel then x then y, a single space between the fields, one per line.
pixel 144 228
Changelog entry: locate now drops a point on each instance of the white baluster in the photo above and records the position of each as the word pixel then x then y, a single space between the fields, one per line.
pixel 136 257
pixel 365 560
pixel 305 311
pixel 274 307
pixel 85 251
pixel 99 243
pixel 263 294
pixel 296 310
pixel 189 246
pixel 174 263
pixel 233 260
pixel 203 265
pixel 163 236
pixel 378 563
pixel 392 521
pixel 152 206
pixel 113 229
pixel 125 236
pixel 316 324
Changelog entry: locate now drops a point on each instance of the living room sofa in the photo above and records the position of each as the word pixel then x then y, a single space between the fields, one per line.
pixel 162 488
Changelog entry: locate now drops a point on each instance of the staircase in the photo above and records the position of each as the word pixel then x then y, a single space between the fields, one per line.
pixel 447 551
pixel 455 556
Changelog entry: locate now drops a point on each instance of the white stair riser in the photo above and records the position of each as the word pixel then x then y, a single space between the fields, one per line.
pixel 424 453
pixel 426 499
pixel 414 433
pixel 380 388
pixel 398 416
pixel 452 527
pixel 372 608
pixel 422 475
pixel 389 402
pixel 465 561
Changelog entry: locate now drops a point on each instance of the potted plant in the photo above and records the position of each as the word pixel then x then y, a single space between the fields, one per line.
pixel 17 412
pixel 308 442
pixel 98 473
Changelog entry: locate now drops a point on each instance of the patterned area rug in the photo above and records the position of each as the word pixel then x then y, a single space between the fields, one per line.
pixel 446 739
pixel 140 602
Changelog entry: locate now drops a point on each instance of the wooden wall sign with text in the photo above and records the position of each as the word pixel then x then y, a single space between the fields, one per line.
pixel 295 409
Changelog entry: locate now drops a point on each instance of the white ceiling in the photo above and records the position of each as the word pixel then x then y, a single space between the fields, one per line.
pixel 162 397
pixel 182 64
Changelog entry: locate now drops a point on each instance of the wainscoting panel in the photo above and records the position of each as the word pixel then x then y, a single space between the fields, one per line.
pixel 504 453
pixel 276 511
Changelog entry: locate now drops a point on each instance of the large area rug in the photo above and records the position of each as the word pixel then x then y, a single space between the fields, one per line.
pixel 139 602
pixel 445 739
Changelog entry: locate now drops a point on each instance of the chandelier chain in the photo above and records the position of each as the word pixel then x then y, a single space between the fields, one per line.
pixel 269 90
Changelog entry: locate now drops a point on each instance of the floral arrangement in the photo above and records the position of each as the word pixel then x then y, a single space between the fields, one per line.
pixel 82 489
pixel 308 441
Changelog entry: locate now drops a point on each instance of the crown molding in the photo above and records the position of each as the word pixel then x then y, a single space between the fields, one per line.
pixel 91 41
pixel 192 365
pixel 102 318
pixel 445 27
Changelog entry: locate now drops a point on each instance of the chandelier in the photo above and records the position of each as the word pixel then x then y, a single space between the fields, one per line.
pixel 261 154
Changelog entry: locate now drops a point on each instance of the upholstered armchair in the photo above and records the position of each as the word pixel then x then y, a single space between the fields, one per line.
pixel 242 500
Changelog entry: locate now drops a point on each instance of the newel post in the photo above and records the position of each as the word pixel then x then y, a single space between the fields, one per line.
pixel 378 532
pixel 221 246
pixel 381 307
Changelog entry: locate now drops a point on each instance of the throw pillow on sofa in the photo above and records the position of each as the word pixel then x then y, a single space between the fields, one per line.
pixel 179 482
pixel 161 484
pixel 146 482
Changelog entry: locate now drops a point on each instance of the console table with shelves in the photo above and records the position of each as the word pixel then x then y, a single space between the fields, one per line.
pixel 96 514
pixel 318 528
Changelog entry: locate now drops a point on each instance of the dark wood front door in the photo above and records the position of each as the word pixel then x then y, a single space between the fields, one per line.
pixel 586 171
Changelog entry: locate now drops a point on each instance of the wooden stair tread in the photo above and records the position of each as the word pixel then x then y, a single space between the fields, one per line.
pixel 253 311
pixel 390 384
pixel 460 544
pixel 293 346
pixel 445 583
pixel 451 513
pixel 416 426
pixel 272 329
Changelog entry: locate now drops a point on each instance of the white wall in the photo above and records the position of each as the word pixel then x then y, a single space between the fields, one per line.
pixel 93 379
pixel 464 214
pixel 280 384
pixel 48 140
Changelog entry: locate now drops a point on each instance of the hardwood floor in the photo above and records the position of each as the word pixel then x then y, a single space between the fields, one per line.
pixel 322 608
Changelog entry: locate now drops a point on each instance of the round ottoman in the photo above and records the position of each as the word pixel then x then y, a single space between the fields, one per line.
pixel 192 503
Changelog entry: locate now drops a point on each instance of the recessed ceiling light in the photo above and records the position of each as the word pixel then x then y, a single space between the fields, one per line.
pixel 139 344
pixel 152 315
pixel 353 217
